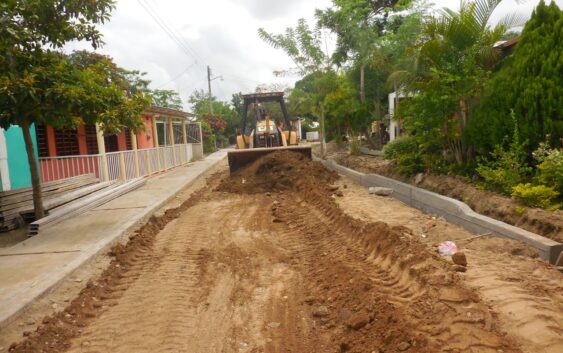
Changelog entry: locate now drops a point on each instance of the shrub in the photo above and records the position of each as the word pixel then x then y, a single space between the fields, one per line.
pixel 507 167
pixel 409 164
pixel 506 170
pixel 550 167
pixel 355 144
pixel 535 195
pixel 401 146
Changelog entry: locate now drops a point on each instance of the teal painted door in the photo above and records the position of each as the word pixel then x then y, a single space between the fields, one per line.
pixel 17 156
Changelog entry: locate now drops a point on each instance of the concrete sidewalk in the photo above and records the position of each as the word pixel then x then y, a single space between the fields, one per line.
pixel 69 244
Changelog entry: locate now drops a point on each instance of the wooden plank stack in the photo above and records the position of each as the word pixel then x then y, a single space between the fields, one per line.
pixel 84 204
pixel 13 202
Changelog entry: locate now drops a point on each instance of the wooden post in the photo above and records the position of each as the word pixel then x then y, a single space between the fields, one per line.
pixel 148 161
pixel 122 171
pixel 171 133
pixel 102 151
pixel 185 139
pixel 135 153
pixel 156 145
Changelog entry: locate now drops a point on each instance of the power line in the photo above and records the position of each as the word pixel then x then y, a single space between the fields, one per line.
pixel 166 30
pixel 179 75
pixel 178 34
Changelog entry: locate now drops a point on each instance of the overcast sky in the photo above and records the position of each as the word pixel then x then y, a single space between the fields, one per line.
pixel 218 33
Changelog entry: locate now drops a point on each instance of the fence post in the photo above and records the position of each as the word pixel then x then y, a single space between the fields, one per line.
pixel 185 140
pixel 156 144
pixel 200 139
pixel 164 159
pixel 102 151
pixel 171 133
pixel 135 153
pixel 122 171
pixel 148 162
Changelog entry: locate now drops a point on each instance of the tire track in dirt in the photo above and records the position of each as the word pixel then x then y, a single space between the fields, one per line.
pixel 448 318
pixel 531 310
pixel 375 288
pixel 525 293
pixel 160 310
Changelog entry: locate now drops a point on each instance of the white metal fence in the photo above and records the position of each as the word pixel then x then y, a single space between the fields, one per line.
pixel 55 168
pixel 122 165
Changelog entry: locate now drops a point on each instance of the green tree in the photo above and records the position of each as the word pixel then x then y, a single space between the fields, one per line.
pixel 222 124
pixel 304 46
pixel 530 82
pixel 166 98
pixel 38 85
pixel 455 58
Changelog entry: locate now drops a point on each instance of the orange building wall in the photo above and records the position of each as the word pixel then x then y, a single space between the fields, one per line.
pixel 51 146
pixel 144 136
pixel 81 135
pixel 121 142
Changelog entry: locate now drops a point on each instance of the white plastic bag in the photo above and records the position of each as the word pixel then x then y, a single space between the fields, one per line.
pixel 447 248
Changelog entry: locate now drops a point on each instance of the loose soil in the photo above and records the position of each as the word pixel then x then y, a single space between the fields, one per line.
pixel 270 259
pixel 542 222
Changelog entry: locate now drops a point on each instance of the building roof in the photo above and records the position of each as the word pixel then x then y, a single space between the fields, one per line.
pixel 508 43
pixel 169 112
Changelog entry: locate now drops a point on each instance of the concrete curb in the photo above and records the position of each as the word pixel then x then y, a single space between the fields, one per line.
pixel 104 244
pixel 370 152
pixel 452 210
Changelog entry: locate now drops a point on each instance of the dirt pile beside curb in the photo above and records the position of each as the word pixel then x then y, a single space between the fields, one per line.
pixel 278 171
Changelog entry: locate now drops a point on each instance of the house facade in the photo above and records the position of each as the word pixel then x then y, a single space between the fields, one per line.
pixel 167 138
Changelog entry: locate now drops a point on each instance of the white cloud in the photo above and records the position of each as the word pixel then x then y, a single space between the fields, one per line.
pixel 219 33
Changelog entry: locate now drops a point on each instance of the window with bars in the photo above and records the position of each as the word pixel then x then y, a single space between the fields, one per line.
pixel 128 143
pixel 177 128
pixel 111 143
pixel 91 139
pixel 66 142
pixel 42 144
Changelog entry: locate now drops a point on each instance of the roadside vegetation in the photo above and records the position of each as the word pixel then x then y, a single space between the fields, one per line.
pixel 467 105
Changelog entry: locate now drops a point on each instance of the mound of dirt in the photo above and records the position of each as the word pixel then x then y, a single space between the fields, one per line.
pixel 276 172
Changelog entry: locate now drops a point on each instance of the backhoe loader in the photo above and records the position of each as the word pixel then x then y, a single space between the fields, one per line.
pixel 261 134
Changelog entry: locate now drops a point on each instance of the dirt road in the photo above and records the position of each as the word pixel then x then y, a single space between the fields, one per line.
pixel 267 261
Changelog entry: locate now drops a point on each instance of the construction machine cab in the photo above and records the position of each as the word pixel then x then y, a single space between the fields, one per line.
pixel 260 134
pixel 261 130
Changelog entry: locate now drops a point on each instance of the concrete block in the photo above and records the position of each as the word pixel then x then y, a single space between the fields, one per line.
pixel 381 191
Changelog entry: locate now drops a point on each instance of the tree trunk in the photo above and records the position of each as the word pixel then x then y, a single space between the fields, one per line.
pixel 323 140
pixel 35 180
pixel 362 84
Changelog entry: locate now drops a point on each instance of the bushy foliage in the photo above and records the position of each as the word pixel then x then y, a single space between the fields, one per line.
pixel 550 167
pixel 529 82
pixel 507 168
pixel 400 147
pixel 409 164
pixel 535 195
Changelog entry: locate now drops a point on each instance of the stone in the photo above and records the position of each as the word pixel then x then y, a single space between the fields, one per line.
pixel 459 259
pixel 418 178
pixel 344 347
pixel 345 314
pixel 321 311
pixel 403 346
pixel 273 324
pixel 358 321
pixel 339 193
pixel 381 191
pixel 459 268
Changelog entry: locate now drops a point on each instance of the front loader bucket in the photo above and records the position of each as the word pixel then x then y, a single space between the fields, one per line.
pixel 240 158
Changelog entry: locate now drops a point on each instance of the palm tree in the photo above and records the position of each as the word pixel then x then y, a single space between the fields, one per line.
pixel 456 54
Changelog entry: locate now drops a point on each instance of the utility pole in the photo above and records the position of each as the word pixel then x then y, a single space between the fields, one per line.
pixel 209 87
